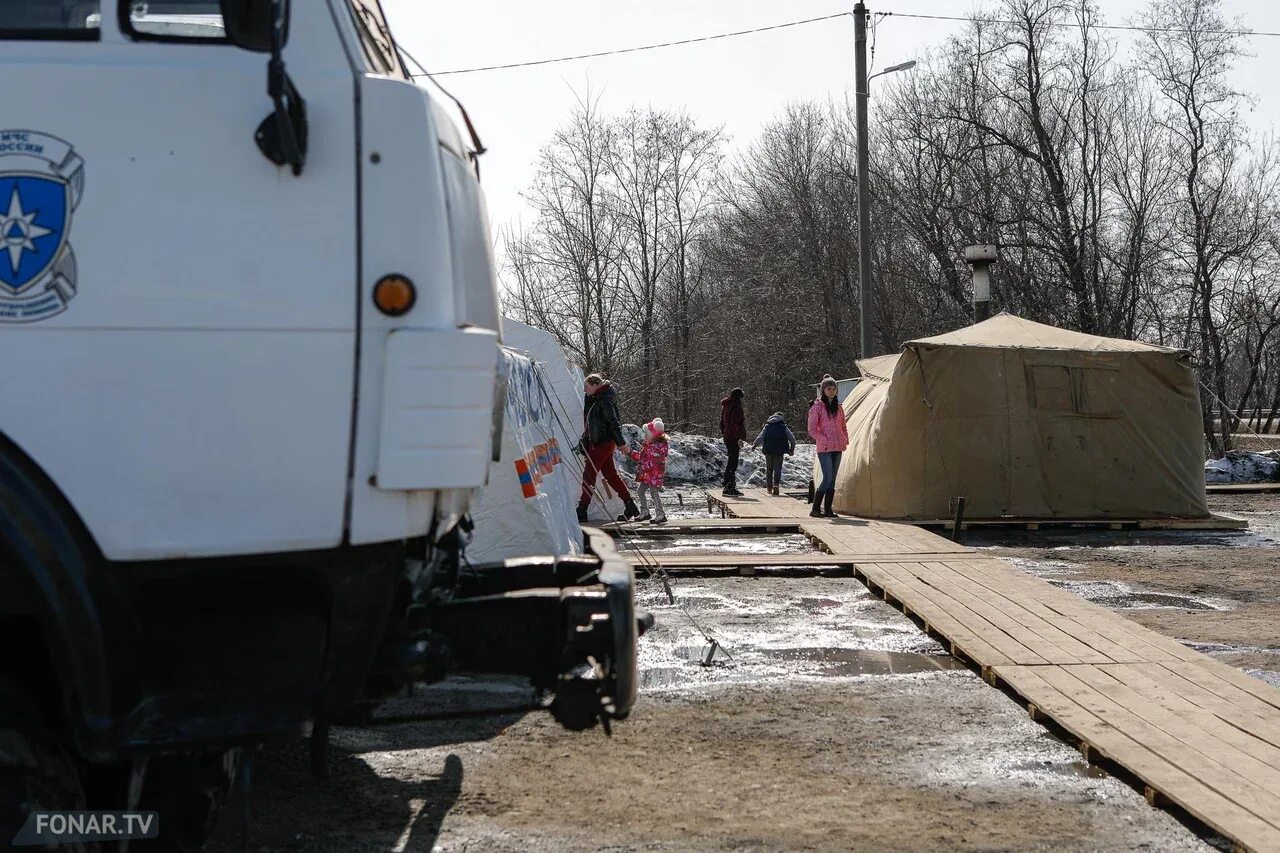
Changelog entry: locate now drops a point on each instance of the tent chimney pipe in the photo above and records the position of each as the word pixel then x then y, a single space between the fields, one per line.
pixel 980 258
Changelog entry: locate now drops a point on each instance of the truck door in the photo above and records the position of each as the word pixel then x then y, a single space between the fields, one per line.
pixel 183 308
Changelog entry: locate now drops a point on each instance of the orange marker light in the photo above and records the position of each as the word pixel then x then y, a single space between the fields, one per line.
pixel 394 295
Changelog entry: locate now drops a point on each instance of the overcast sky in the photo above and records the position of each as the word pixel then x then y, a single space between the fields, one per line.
pixel 740 83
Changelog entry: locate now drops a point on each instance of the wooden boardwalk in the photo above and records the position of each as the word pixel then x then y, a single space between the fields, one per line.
pixel 1198 734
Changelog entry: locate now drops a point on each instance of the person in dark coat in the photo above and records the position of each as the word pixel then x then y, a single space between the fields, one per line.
pixel 777 440
pixel 601 437
pixel 733 427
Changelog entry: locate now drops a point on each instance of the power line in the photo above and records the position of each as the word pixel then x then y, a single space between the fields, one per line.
pixel 1073 26
pixel 736 33
pixel 643 47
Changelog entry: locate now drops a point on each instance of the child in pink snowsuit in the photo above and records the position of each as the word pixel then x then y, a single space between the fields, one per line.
pixel 652 457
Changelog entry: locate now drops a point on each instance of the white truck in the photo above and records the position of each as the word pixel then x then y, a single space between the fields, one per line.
pixel 249 310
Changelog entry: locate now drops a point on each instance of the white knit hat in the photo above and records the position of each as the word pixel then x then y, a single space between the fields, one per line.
pixel 656 427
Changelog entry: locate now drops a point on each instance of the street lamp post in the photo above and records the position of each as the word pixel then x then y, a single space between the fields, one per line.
pixel 861 93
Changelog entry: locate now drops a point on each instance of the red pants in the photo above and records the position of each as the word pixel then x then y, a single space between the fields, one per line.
pixel 600 460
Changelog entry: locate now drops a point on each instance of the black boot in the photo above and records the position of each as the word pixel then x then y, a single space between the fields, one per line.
pixel 582 513
pixel 816 512
pixel 826 504
pixel 630 511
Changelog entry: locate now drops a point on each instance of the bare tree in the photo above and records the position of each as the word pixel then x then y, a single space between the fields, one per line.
pixel 1129 200
pixel 1223 213
pixel 568 271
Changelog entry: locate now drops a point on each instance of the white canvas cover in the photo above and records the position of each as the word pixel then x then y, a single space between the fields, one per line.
pixel 528 507
pixel 1024 420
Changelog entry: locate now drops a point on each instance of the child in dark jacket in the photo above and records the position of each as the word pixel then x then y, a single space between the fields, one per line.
pixel 777 440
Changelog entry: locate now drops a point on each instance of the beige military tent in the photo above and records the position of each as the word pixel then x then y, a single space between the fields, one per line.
pixel 1027 421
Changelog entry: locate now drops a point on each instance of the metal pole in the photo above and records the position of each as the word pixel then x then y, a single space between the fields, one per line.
pixel 864 193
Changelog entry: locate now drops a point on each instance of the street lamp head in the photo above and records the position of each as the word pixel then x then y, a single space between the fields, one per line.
pixel 901 66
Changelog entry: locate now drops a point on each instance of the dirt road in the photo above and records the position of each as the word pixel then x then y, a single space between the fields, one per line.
pixel 835 725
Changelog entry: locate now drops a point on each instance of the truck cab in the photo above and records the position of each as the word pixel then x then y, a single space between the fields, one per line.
pixel 249 308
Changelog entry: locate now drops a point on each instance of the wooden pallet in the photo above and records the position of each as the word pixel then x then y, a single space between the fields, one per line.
pixel 1213 522
pixel 1242 488
pixel 1199 736
pixel 748 563
pixel 754 504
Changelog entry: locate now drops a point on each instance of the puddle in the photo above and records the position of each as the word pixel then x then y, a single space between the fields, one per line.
pixel 1071 769
pixel 1113 594
pixel 751 543
pixel 1263 532
pixel 1121 596
pixel 1228 648
pixel 1272 678
pixel 819 605
pixel 774 629
pixel 1043 568
pixel 848 662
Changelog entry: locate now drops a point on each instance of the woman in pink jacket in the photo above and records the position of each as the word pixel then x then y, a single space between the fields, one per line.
pixel 826 425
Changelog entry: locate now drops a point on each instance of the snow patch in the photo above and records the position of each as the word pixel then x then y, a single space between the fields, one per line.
pixel 701 459
pixel 1244 466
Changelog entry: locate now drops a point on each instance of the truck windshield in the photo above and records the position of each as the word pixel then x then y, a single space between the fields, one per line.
pixel 375 38
pixel 49 19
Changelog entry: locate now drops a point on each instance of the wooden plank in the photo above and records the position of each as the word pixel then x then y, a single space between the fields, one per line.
pixel 1145 643
pixel 1170 690
pixel 1263 726
pixel 1203 802
pixel 1019 609
pixel 970 643
pixel 1071 608
pixel 1230 683
pixel 1001 618
pixel 1242 488
pixel 851 535
pixel 1001 584
pixel 816 558
pixel 906 586
pixel 1212 741
pixel 1070 680
pixel 1213 522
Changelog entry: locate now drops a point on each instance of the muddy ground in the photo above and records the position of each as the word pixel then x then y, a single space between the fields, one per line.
pixel 831 723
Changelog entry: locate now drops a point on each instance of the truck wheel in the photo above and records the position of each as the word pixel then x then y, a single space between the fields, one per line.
pixel 36 773
pixel 189 792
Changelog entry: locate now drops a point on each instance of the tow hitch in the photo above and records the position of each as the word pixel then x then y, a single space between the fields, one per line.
pixel 568 623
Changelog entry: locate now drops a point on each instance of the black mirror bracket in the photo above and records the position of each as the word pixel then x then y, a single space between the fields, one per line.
pixel 282 136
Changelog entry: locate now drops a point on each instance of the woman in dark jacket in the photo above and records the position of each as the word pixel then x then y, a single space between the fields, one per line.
pixel 601 436
pixel 733 426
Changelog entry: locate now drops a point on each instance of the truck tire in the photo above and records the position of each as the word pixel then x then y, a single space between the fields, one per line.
pixel 188 791
pixel 36 772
